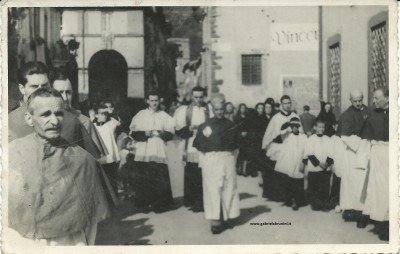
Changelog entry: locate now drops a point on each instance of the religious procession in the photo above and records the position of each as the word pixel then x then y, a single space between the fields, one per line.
pixel 158 122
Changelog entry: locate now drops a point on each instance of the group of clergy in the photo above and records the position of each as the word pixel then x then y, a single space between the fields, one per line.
pixel 357 155
pixel 363 161
pixel 209 145
pixel 58 191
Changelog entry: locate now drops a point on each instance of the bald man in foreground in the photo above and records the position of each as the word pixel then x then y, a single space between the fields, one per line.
pixel 350 123
pixel 217 138
pixel 55 196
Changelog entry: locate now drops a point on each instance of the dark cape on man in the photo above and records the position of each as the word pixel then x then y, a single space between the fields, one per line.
pixel 224 136
pixel 377 126
pixel 54 190
pixel 352 121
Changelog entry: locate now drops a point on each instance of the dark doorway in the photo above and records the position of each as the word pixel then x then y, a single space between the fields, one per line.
pixel 108 76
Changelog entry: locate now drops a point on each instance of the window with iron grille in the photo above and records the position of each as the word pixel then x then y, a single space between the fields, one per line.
pixel 378 56
pixel 334 72
pixel 251 70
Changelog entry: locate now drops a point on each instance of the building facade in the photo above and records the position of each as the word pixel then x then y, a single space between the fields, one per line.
pixel 123 53
pixel 260 52
pixel 354 52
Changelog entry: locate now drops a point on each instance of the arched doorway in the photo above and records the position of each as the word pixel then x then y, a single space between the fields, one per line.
pixel 108 76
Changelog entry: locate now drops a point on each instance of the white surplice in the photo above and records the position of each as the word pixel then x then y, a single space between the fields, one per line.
pixel 339 156
pixel 377 200
pixel 107 131
pixel 290 158
pixel 154 148
pixel 198 117
pixel 272 131
pixel 352 175
pixel 321 148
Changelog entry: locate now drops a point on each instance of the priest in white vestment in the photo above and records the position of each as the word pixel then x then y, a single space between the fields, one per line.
pixel 151 128
pixel 188 118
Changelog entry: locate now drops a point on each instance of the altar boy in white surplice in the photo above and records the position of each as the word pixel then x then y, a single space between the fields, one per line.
pixel 290 164
pixel 151 128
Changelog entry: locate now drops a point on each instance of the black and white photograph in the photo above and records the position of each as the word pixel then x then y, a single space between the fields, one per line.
pixel 223 126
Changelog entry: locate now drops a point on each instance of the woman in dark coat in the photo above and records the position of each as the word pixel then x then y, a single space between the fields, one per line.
pixel 270 101
pixel 241 119
pixel 257 125
pixel 269 109
pixel 328 117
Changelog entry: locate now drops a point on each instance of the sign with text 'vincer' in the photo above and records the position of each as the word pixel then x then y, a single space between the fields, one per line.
pixel 294 37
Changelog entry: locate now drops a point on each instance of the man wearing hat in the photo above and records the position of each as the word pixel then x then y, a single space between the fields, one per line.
pixel 289 165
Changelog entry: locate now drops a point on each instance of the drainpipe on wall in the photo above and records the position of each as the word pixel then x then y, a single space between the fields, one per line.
pixel 320 54
pixel 207 62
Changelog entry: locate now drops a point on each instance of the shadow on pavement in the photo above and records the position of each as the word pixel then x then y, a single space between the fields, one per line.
pixel 245 195
pixel 114 232
pixel 246 214
pixel 117 231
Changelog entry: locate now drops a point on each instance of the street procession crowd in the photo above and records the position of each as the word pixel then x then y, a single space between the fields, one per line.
pixel 69 167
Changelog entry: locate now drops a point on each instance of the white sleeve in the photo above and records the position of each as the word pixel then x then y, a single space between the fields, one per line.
pixel 169 123
pixel 307 149
pixel 270 134
pixel 363 154
pixel 180 118
pixel 352 142
pixel 132 126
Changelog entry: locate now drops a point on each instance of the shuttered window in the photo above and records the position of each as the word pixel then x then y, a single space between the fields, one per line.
pixel 251 70
pixel 334 72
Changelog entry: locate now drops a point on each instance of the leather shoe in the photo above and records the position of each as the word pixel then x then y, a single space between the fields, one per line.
pixel 215 230
pixel 362 221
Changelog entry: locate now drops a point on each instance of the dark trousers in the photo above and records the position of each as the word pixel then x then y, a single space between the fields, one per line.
pixel 111 170
pixel 318 189
pixel 272 188
pixel 127 174
pixel 193 186
pixel 152 185
pixel 292 189
pixel 257 162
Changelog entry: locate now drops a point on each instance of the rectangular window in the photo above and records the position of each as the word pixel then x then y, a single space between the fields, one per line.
pixel 251 70
pixel 334 72
pixel 378 55
pixel 378 72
